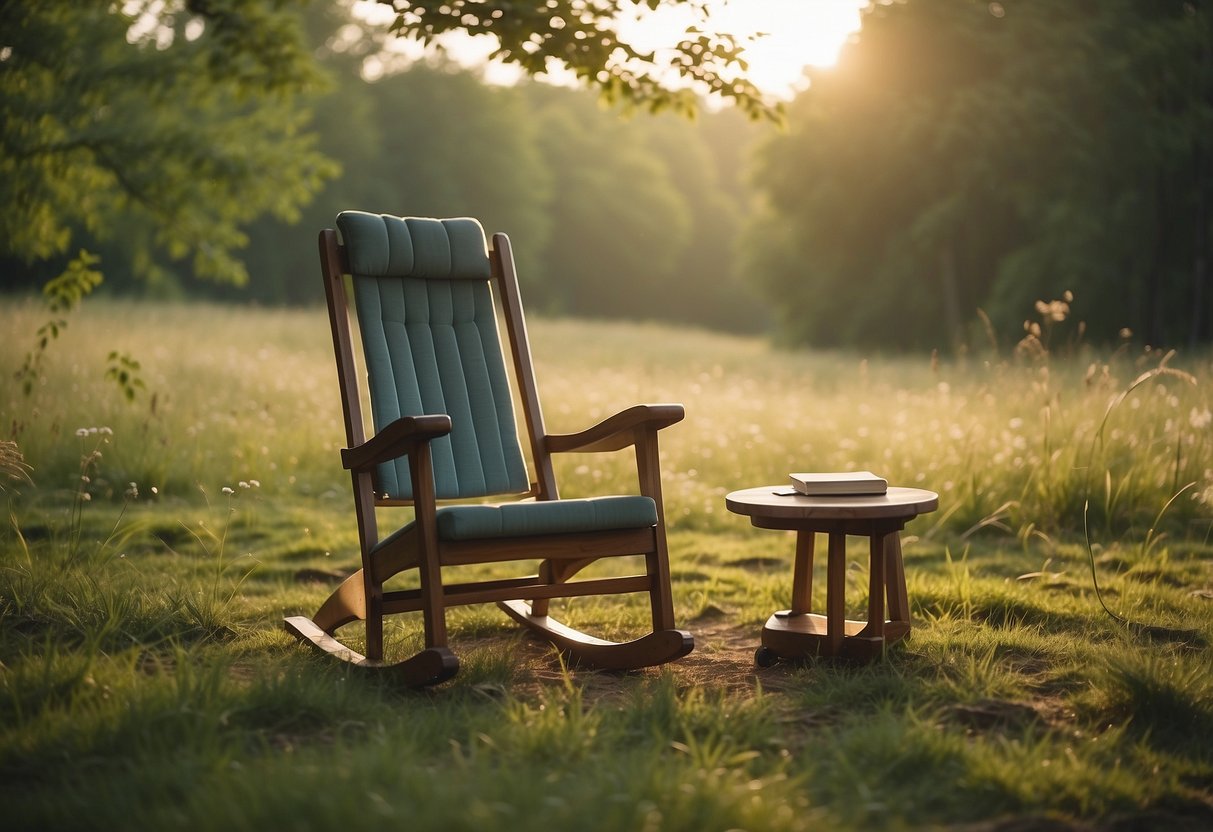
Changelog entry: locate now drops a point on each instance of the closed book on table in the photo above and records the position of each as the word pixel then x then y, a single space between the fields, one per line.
pixel 826 483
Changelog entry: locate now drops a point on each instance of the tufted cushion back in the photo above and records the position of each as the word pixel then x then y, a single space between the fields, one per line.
pixel 429 336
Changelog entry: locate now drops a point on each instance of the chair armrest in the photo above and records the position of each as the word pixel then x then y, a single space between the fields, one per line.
pixel 619 431
pixel 396 440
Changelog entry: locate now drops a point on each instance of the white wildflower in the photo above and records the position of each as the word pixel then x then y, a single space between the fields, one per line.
pixel 1200 418
pixel 227 490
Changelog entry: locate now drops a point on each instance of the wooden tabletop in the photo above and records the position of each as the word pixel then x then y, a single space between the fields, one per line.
pixel 764 501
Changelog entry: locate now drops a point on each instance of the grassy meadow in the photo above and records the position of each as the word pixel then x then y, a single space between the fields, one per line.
pixel 146 681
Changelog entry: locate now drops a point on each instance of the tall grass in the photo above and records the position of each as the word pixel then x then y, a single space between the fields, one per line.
pixel 231 394
pixel 1026 446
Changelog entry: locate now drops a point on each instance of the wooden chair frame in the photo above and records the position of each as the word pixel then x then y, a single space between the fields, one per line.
pixel 526 599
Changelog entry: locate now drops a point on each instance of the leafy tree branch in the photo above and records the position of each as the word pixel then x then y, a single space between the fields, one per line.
pixel 168 126
pixel 583 37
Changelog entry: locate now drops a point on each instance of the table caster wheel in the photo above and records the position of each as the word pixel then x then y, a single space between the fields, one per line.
pixel 765 657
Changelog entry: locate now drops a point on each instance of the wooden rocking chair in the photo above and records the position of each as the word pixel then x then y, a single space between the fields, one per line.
pixel 445 430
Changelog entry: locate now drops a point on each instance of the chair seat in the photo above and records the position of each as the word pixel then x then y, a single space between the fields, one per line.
pixel 596 514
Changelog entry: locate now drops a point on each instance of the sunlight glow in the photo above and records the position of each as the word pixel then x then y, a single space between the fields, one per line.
pixel 787 36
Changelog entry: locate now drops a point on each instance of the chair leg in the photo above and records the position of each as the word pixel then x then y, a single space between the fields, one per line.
pixel 648 469
pixel 374 629
pixel 373 593
pixel 661 597
pixel 540 606
pixel 433 610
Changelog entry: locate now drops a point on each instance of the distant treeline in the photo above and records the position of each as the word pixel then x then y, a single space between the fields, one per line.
pixel 965 160
pixel 609 217
pixel 628 217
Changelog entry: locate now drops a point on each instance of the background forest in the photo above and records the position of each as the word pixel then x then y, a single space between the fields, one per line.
pixel 962 156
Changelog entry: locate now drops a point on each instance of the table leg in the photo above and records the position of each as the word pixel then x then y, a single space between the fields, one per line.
pixel 898 626
pixel 899 601
pixel 876 585
pixel 836 593
pixel 802 575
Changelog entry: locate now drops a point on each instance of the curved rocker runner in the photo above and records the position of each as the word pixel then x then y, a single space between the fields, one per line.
pixel 425 293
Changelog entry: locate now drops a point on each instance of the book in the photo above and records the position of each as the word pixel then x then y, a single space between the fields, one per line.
pixel 819 484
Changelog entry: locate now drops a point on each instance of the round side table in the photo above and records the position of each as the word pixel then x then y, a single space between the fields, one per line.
pixel 797 632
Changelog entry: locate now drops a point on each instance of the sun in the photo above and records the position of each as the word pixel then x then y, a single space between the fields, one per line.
pixel 788 35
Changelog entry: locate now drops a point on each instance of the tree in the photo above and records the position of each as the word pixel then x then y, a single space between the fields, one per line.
pixel 567 178
pixel 974 154
pixel 618 225
pixel 582 36
pixel 454 146
pixel 706 160
pixel 431 141
pixel 168 126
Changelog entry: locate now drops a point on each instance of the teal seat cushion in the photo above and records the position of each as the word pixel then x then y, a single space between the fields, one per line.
pixel 596 514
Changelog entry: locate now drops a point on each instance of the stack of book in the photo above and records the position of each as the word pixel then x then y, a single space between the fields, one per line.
pixel 839 483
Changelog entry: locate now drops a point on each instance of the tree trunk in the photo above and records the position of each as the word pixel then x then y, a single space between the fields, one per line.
pixel 951 295
pixel 1154 269
pixel 1199 330
pixel 1202 320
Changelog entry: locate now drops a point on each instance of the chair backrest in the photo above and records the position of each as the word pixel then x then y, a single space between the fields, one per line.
pixel 425 311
